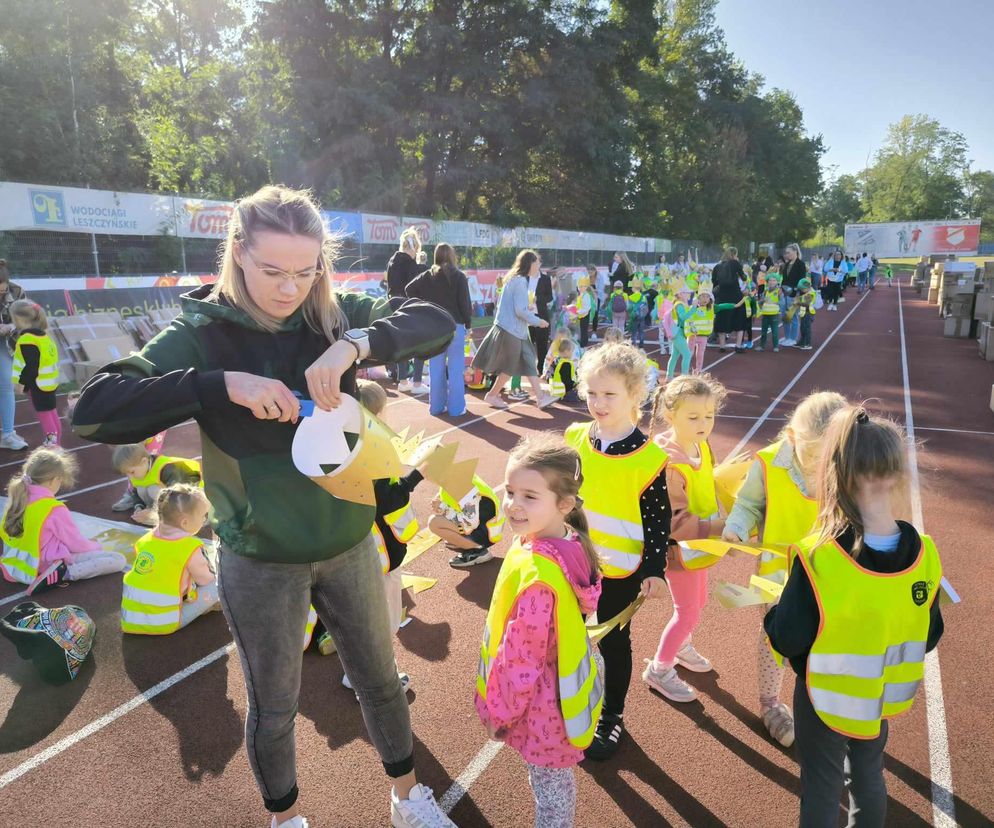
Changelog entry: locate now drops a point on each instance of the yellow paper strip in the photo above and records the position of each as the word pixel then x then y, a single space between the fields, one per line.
pixel 420 543
pixel 733 596
pixel 417 582
pixel 597 631
pixel 773 589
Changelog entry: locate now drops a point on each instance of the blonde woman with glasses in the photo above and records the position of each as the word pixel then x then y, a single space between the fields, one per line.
pixel 234 360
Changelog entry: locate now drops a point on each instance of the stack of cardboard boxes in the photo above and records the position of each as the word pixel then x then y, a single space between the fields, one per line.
pixel 957 292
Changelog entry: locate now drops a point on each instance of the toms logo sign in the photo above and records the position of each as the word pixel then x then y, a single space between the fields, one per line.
pixel 383 230
pixel 48 208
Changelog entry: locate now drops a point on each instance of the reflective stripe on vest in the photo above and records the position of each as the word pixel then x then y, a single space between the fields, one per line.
pixel 495 526
pixel 403 523
pixel 21 553
pixel 581 691
pixel 48 360
pixel 700 322
pixel 556 385
pixel 612 488
pixel 868 658
pixel 151 601
pixel 381 549
pixel 312 620
pixel 790 514
pixel 771 302
pixel 153 477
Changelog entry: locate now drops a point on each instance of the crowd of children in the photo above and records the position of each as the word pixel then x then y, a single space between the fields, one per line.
pixel 602 518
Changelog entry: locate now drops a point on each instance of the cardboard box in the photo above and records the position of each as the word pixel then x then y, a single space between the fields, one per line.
pixel 107 350
pixel 933 296
pixel 74 329
pixel 956 327
pixel 982 307
pixel 959 306
pixel 992 398
pixel 987 342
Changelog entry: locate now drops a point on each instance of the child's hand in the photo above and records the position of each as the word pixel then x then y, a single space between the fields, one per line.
pixel 436 505
pixel 730 535
pixel 717 526
pixel 653 588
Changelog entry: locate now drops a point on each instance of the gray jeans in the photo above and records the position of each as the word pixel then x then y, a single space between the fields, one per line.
pixel 828 760
pixel 266 607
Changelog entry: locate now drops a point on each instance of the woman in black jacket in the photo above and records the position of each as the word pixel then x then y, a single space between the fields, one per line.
pixel 272 325
pixel 403 266
pixel 446 285
pixel 728 290
pixel 792 271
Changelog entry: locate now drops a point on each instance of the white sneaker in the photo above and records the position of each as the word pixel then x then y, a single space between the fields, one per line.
pixel 293 822
pixel 780 723
pixel 13 441
pixel 404 385
pixel 421 810
pixel 667 683
pixel 691 659
pixel 419 390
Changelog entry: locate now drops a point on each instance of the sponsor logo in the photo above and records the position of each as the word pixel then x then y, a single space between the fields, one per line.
pixel 208 219
pixel 48 208
pixel 919 592
pixel 424 230
pixel 381 230
pixel 144 563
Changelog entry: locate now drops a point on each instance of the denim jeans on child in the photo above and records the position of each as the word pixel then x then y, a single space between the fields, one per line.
pixel 638 330
pixel 805 339
pixel 769 323
pixel 6 389
pixel 447 371
pixel 266 607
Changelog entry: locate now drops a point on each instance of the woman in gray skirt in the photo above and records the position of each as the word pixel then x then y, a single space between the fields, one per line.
pixel 507 351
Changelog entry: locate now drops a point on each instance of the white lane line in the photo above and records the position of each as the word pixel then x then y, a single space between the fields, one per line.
pixel 940 767
pixel 786 390
pixel 957 431
pixel 15 597
pixel 458 789
pixel 93 727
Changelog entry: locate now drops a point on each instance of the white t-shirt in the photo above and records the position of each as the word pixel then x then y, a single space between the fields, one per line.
pixel 816 265
pixel 863 264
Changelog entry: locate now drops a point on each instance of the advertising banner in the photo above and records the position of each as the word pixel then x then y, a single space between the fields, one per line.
pixel 425 228
pixel 378 229
pixel 198 218
pixel 914 238
pixel 348 224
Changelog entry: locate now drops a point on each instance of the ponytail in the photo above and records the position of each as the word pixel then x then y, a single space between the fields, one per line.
pixel 577 521
pixel 42 466
pixel 17 503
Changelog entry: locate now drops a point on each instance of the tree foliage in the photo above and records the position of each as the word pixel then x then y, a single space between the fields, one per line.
pixel 630 116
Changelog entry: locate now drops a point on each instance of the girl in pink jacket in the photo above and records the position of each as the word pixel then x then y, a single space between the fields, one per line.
pixel 518 691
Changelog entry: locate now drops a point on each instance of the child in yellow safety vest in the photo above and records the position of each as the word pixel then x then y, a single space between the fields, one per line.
pixel 770 308
pixel 776 505
pixel 625 501
pixel 538 689
pixel 172 581
pixel 562 372
pixel 858 614
pixel 42 546
pixel 804 306
pixel 698 327
pixel 470 525
pixel 36 366
pixel 688 405
pixel 148 474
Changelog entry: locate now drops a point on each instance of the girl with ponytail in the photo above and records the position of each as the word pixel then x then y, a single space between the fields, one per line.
pixel 539 689
pixel 42 546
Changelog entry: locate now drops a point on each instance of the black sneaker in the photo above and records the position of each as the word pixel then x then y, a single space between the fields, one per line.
pixel 607 738
pixel 471 557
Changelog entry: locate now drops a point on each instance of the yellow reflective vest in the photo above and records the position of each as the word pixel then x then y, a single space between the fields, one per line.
pixel 495 526
pixel 151 602
pixel 771 302
pixel 556 385
pixel 702 501
pixel 869 655
pixel 612 487
pixel 153 477
pixel 790 514
pixel 581 693
pixel 700 322
pixel 312 621
pixel 21 553
pixel 48 360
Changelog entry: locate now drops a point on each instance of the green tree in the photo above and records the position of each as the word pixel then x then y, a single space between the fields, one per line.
pixel 839 204
pixel 980 201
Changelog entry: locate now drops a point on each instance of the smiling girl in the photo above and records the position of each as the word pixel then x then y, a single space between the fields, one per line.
pixel 538 688
pixel 627 506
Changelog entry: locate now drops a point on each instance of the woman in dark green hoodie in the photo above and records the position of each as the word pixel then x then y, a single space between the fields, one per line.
pixel 233 360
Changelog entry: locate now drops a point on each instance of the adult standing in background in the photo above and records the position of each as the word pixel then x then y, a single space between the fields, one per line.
pixel 403 266
pixel 862 272
pixel 623 269
pixel 602 287
pixel 540 294
pixel 662 269
pixel 791 272
pixel 506 350
pixel 726 277
pixel 680 268
pixel 446 285
pixel 762 258
pixel 835 275
pixel 9 293
pixel 816 269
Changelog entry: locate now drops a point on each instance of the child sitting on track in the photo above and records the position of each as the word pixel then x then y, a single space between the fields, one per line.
pixel 538 688
pixel 41 545
pixel 469 526
pixel 858 614
pixel 130 500
pixel 624 492
pixel 776 502
pixel 172 581
pixel 149 474
pixel 688 405
pixel 36 366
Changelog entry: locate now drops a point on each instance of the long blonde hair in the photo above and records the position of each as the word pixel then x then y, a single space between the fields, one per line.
pixel 291 212
pixel 807 426
pixel 29 313
pixel 857 447
pixel 410 242
pixel 559 465
pixel 42 466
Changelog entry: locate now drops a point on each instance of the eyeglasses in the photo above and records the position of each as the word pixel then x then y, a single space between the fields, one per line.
pixel 302 277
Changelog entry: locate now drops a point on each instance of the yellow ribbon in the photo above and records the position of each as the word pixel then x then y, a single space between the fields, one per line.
pixel 597 631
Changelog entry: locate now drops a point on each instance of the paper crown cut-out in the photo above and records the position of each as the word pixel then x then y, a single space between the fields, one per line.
pixel 454 478
pixel 345 450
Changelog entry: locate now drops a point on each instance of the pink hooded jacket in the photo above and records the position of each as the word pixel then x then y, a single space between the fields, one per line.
pixel 522 701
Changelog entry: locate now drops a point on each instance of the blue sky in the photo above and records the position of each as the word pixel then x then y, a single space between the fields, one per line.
pixel 909 56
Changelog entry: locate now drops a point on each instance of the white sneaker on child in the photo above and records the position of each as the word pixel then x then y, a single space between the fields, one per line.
pixel 779 722
pixel 13 441
pixel 420 810
pixel 691 659
pixel 293 822
pixel 667 683
pixel 405 385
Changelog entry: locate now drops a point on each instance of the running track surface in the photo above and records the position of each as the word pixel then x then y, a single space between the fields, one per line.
pixel 179 759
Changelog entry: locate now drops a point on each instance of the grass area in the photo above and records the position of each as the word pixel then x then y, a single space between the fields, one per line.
pixel 482 321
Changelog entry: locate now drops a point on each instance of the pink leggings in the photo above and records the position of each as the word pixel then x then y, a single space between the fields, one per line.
pixel 50 423
pixel 697 346
pixel 689 589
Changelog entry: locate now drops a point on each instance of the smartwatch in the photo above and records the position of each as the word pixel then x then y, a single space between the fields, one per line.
pixel 359 338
